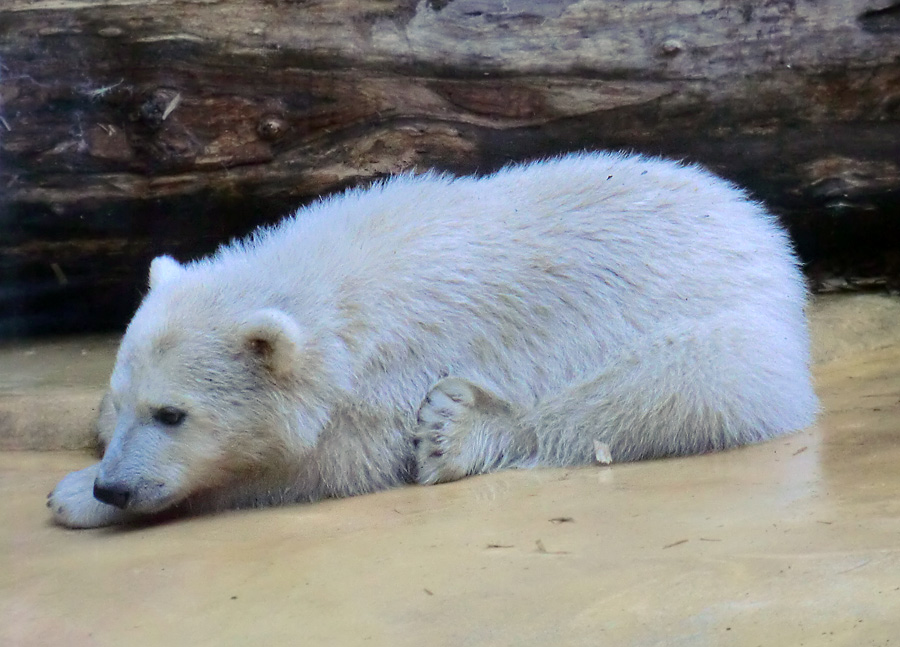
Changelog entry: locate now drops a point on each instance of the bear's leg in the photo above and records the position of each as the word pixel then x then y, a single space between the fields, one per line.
pixel 707 385
pixel 464 429
pixel 74 506
pixel 730 380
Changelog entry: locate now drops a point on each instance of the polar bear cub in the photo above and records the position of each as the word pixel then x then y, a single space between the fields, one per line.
pixel 431 327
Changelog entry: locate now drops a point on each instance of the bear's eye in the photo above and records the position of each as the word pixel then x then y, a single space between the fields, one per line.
pixel 169 416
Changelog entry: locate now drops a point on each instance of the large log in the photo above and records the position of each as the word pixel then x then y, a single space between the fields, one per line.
pixel 133 127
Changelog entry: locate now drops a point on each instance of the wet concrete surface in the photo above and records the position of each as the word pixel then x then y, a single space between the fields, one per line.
pixel 793 542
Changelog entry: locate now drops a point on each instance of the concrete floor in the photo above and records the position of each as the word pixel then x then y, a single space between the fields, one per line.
pixel 795 542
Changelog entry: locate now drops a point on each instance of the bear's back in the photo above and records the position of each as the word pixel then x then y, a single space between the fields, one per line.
pixel 525 277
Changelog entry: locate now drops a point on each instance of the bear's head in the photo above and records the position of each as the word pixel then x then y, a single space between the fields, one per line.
pixel 211 385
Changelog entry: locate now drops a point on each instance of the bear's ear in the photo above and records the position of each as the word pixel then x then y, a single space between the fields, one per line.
pixel 164 269
pixel 274 339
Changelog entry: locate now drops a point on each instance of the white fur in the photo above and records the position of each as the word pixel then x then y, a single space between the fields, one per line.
pixel 595 297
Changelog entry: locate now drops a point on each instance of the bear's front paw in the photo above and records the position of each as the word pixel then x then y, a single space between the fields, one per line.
pixel 74 506
pixel 458 431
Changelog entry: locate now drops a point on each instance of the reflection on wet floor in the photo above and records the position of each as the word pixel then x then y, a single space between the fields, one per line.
pixel 792 542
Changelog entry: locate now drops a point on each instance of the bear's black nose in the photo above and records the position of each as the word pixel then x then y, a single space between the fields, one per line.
pixel 116 495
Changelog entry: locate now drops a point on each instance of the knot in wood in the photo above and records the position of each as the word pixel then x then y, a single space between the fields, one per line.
pixel 156 108
pixel 671 47
pixel 271 128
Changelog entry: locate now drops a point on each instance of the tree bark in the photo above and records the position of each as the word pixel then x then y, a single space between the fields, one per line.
pixel 135 127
